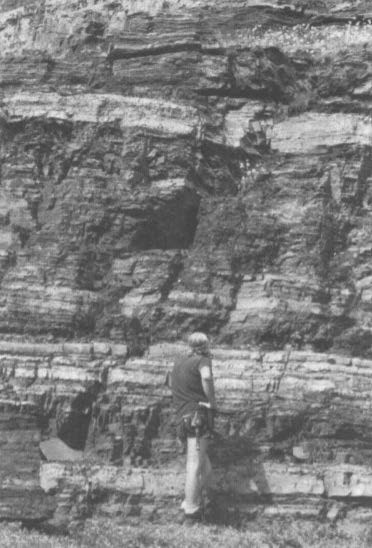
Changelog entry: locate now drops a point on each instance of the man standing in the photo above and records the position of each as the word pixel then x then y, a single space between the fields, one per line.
pixel 194 401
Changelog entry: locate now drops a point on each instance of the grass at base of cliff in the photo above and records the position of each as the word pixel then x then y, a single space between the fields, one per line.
pixel 100 533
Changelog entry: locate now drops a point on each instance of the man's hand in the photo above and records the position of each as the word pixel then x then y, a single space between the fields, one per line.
pixel 208 406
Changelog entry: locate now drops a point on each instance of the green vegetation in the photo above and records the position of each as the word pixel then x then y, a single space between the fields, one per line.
pixel 100 533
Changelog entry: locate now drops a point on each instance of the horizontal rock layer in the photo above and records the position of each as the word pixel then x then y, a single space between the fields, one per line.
pixel 264 490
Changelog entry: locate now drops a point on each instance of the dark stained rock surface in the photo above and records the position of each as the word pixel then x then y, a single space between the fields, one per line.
pixel 175 165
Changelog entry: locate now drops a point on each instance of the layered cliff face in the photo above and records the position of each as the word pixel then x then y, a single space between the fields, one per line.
pixel 172 166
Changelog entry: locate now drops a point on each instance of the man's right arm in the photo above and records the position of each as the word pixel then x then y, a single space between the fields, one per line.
pixel 168 380
pixel 208 384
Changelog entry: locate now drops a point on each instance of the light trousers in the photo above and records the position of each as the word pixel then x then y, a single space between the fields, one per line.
pixel 198 474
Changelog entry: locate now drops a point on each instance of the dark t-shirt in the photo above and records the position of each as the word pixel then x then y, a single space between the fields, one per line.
pixel 187 385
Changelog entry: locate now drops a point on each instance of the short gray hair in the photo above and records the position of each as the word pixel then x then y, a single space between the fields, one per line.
pixel 198 339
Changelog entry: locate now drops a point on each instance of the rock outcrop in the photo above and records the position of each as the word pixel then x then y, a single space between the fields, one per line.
pixel 176 165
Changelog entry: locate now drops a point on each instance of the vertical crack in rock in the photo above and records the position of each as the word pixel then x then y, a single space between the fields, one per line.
pixel 327 230
pixel 272 390
pixel 364 178
pixel 174 270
